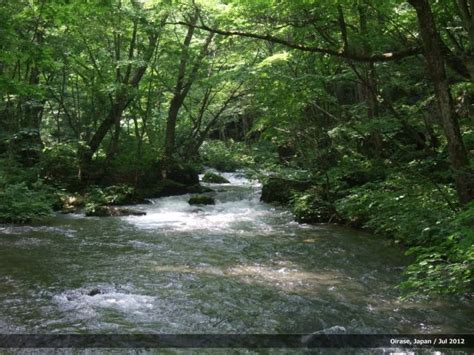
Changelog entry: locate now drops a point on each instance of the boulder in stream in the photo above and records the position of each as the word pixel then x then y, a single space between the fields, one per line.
pixel 214 178
pixel 111 211
pixel 280 190
pixel 167 187
pixel 201 200
pixel 94 291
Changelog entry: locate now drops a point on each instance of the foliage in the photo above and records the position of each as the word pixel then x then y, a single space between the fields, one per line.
pixel 446 265
pixel 225 156
pixel 230 156
pixel 20 203
pixel 311 207
pixel 111 195
pixel 400 206
pixel 59 165
pixel 421 216
pixel 23 197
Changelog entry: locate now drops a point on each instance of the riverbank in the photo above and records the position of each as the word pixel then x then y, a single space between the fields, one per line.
pixel 439 238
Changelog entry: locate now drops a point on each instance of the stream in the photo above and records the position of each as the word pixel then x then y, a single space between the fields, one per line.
pixel 239 266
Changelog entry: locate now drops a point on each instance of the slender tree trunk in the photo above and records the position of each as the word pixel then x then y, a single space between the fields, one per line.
pixel 114 116
pixel 178 95
pixel 175 105
pixel 114 144
pixel 120 103
pixel 30 107
pixel 181 90
pixel 369 80
pixel 463 177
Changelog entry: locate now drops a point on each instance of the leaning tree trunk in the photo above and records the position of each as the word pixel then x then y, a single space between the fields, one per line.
pixel 463 176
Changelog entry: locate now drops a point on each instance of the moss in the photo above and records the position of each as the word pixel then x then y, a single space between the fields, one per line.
pixel 214 178
pixel 280 190
pixel 201 200
pixel 184 174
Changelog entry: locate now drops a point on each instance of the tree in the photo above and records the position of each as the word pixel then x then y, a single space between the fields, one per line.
pixel 433 53
pixel 126 81
pixel 432 50
pixel 184 81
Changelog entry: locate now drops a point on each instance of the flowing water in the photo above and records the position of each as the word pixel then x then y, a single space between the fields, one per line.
pixel 237 266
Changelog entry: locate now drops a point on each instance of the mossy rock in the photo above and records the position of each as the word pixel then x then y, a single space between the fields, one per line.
pixel 280 190
pixel 179 172
pixel 201 200
pixel 214 178
pixel 94 292
pixel 166 187
pixel 110 211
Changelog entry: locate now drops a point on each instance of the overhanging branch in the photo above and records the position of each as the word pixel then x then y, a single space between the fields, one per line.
pixel 372 58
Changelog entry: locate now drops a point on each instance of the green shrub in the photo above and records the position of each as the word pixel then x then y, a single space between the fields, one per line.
pixel 92 208
pixel 59 165
pixel 400 207
pixel 421 216
pixel 311 207
pixel 446 265
pixel 222 156
pixel 11 173
pixel 21 204
pixel 111 195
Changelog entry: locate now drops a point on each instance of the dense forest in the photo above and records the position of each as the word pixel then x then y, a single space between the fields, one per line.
pixel 351 112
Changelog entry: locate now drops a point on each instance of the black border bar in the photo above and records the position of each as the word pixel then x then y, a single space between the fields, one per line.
pixel 407 341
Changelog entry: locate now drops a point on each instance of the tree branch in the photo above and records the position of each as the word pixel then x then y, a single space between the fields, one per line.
pixel 372 58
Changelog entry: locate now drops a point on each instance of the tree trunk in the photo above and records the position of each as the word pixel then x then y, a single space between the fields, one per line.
pixel 175 105
pixel 114 116
pixel 119 104
pixel 29 144
pixel 369 81
pixel 181 90
pixel 463 177
pixel 178 95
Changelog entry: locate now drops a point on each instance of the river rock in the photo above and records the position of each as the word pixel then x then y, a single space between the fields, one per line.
pixel 167 187
pixel 201 200
pixel 280 190
pixel 214 178
pixel 111 211
pixel 179 172
pixel 94 291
